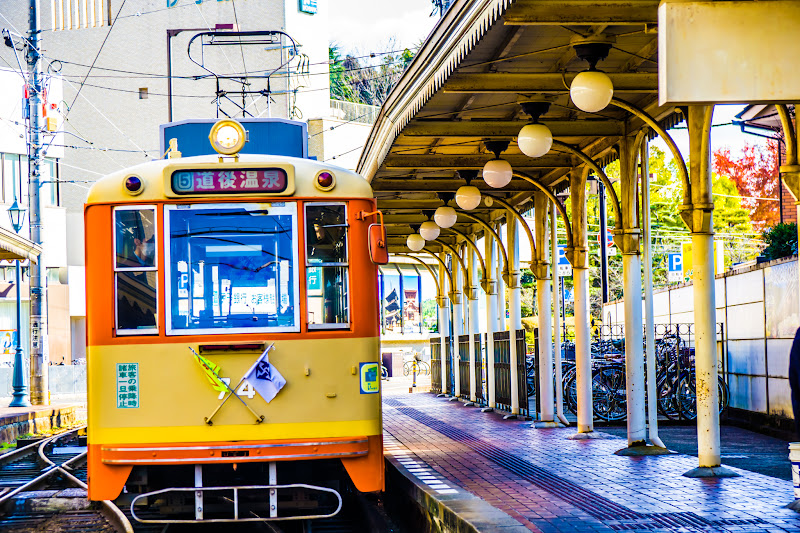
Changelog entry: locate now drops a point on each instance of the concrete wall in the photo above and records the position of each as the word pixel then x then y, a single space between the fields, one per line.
pixel 67 382
pixel 760 310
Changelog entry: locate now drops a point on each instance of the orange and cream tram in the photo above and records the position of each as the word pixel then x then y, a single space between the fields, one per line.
pixel 233 351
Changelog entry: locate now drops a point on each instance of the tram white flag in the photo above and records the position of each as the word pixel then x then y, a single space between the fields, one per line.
pixel 264 377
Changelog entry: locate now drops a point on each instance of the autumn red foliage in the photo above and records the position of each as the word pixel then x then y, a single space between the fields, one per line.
pixel 755 173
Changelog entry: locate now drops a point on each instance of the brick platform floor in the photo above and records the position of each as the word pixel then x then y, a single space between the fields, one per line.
pixel 552 484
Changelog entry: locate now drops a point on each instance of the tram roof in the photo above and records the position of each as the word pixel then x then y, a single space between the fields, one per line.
pixel 464 85
pixel 110 189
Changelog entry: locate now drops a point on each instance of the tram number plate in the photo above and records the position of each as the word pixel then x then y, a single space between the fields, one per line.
pixel 244 181
pixel 244 390
pixel 236 453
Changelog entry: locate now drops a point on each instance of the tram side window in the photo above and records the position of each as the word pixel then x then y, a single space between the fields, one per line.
pixel 326 266
pixel 135 277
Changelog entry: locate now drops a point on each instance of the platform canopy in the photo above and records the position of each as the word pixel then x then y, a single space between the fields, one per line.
pixel 465 86
pixel 12 247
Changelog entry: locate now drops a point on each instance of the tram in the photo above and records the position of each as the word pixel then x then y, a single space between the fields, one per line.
pixel 232 335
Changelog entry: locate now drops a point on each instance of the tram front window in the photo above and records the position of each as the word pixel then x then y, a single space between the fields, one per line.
pixel 231 268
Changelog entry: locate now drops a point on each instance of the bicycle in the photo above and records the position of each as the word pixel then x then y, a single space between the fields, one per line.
pixel 384 373
pixel 417 367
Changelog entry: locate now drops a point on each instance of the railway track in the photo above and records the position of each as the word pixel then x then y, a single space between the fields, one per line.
pixel 43 488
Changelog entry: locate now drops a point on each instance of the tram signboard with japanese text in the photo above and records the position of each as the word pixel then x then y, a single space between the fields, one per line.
pixel 237 181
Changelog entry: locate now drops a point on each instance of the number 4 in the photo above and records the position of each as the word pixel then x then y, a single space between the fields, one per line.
pixel 247 390
pixel 244 390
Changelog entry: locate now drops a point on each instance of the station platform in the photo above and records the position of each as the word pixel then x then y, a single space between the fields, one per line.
pixel 474 471
pixel 18 421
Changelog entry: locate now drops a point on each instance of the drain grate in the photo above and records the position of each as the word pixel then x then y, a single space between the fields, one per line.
pixel 614 515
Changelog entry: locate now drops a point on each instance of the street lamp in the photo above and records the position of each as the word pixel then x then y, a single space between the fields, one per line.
pixel 20 395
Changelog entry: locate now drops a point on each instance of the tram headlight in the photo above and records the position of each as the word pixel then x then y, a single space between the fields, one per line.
pixel 325 181
pixel 133 185
pixel 227 137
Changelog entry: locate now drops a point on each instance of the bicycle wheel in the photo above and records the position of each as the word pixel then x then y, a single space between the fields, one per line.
pixel 687 396
pixel 406 368
pixel 723 394
pixel 611 403
pixel 667 403
pixel 384 373
pixel 571 394
pixel 424 368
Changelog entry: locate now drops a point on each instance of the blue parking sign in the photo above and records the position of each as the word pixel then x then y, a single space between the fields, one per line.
pixel 675 267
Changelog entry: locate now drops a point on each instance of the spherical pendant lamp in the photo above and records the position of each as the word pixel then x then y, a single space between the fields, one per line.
pixel 429 230
pixel 468 197
pixel 535 140
pixel 445 216
pixel 415 242
pixel 497 173
pixel 591 91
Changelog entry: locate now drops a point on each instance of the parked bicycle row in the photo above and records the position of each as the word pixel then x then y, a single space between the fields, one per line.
pixel 675 379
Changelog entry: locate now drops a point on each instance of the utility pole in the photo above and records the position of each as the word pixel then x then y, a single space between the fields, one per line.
pixel 38 297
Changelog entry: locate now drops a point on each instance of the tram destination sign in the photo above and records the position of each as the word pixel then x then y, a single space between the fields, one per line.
pixel 238 181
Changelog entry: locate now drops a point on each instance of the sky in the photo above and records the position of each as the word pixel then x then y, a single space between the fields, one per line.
pixel 722 135
pixel 366 27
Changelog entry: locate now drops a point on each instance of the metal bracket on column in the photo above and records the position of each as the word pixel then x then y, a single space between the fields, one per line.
pixel 791 170
pixel 540 270
pixel 489 286
pixel 577 255
pixel 699 216
pixel 455 297
pixel 627 240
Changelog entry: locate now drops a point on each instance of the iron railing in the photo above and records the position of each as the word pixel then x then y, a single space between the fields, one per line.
pixel 463 366
pixel 502 371
pixel 436 365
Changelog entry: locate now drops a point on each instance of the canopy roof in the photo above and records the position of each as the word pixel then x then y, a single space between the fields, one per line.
pixel 464 86
pixel 12 247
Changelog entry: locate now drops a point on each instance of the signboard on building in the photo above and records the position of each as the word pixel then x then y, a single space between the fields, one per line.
pixel 745 55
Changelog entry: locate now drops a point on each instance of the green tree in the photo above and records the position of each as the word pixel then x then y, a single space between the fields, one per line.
pixel 366 79
pixel 781 241
pixel 732 224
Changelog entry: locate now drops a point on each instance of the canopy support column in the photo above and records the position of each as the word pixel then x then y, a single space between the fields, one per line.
pixel 514 311
pixel 444 325
pixel 541 269
pixel 455 298
pixel 580 279
pixel 699 218
pixel 628 241
pixel 491 318
pixel 474 327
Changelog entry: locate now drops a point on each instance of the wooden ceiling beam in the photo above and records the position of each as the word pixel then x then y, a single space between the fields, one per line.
pixel 475 162
pixel 544 82
pixel 583 12
pixel 510 128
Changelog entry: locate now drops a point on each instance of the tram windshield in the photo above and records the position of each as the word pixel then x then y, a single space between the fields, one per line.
pixel 232 268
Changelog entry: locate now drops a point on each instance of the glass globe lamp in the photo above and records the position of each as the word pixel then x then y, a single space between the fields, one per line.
pixel 445 217
pixel 429 230
pixel 468 197
pixel 415 242
pixel 497 173
pixel 591 91
pixel 535 140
